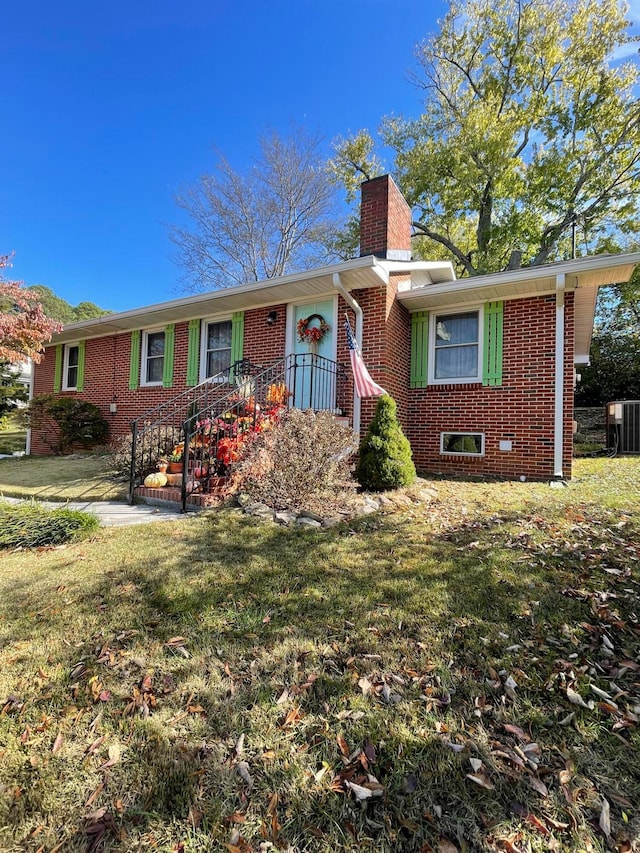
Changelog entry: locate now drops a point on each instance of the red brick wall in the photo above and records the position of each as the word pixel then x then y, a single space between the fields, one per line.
pixel 106 376
pixel 263 343
pixel 386 347
pixel 520 410
pixel 385 217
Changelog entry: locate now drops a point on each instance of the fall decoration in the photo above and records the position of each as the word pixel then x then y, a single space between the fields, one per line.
pixel 155 481
pixel 312 334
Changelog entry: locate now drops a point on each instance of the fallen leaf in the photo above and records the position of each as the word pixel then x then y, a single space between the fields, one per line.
pixel 576 699
pixel 114 757
pixel 605 817
pixel 343 746
pixel 538 786
pixel 57 743
pixel 446 846
pixel 242 769
pixel 361 793
pixel 480 779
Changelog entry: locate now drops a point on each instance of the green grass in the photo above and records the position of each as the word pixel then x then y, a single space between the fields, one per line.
pixel 12 440
pixel 215 683
pixel 60 478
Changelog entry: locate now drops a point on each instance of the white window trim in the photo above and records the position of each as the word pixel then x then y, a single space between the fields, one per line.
pixel 444 452
pixel 65 367
pixel 144 353
pixel 203 343
pixel 431 363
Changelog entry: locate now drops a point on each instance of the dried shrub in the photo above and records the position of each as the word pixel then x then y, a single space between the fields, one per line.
pixel 303 462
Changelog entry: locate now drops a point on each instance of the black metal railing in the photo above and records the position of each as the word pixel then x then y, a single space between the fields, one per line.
pixel 206 420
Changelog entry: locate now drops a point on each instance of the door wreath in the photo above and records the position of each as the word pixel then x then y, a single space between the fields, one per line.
pixel 312 334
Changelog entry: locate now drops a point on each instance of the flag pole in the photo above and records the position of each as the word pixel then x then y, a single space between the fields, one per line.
pixel 357 310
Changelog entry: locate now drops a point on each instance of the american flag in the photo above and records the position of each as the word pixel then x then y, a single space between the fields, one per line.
pixel 365 386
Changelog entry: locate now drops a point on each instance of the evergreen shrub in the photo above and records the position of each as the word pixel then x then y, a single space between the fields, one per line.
pixel 385 453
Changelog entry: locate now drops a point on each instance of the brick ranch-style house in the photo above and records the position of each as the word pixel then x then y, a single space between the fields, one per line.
pixel 482 368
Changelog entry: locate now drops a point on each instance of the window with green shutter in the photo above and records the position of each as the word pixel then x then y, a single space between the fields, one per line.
pixel 237 337
pixel 57 371
pixel 169 347
pixel 419 349
pixel 134 363
pixel 193 352
pixel 456 347
pixel 81 355
pixel 492 361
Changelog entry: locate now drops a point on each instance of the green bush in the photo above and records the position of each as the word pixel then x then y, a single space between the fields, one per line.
pixel 78 422
pixel 385 454
pixel 29 525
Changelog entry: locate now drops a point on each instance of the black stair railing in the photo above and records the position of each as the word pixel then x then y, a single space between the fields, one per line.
pixel 206 419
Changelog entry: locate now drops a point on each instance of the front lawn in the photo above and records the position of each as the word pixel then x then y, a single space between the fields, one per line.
pixel 457 675
pixel 61 478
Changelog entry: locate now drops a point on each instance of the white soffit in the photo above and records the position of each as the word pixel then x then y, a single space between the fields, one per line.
pixel 590 272
pixel 356 274
pixel 584 313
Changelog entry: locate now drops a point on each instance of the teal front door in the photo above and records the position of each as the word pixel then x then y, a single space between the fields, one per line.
pixel 314 379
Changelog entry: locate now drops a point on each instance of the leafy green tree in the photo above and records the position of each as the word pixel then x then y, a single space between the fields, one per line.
pixel 385 453
pixel 59 309
pixel 529 129
pixel 12 392
pixel 614 371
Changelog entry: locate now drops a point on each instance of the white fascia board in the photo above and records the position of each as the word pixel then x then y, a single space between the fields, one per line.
pixel 523 283
pixel 357 273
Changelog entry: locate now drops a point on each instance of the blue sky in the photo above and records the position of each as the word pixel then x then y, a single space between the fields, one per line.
pixel 111 108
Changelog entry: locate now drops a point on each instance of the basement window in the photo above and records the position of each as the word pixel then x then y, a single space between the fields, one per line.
pixel 462 443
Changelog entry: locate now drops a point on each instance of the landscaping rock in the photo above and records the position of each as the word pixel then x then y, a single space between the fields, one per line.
pixel 305 521
pixel 259 510
pixel 306 513
pixel 285 517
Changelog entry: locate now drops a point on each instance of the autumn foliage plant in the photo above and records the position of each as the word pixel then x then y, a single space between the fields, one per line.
pixel 24 327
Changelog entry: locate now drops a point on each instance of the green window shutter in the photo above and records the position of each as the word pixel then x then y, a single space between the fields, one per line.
pixel 237 336
pixel 169 345
pixel 57 371
pixel 193 353
pixel 134 365
pixel 419 349
pixel 492 356
pixel 80 379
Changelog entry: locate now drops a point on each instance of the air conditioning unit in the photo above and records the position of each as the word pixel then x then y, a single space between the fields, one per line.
pixel 623 426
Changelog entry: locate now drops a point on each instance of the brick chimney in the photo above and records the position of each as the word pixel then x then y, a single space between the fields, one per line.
pixel 385 220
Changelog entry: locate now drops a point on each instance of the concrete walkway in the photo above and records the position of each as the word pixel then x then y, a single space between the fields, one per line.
pixel 114 513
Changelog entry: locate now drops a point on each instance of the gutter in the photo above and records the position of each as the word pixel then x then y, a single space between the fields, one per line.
pixel 32 379
pixel 559 379
pixel 351 302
